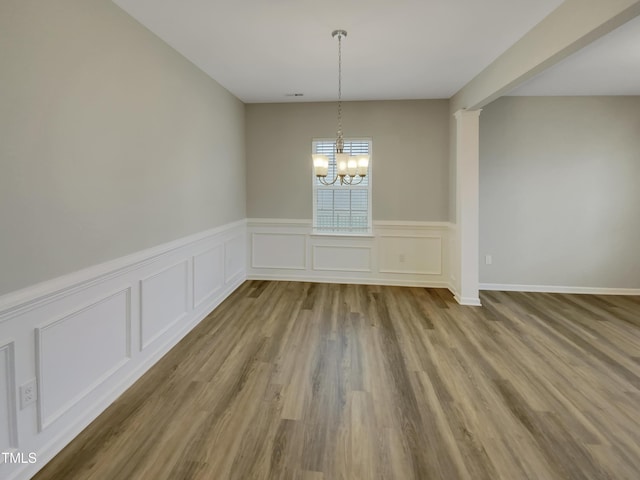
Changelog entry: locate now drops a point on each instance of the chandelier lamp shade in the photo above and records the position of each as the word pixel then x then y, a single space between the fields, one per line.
pixel 349 170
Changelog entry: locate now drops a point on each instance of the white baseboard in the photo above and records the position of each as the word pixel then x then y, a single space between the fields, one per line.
pixel 347 280
pixel 559 289
pixel 467 301
pixel 115 304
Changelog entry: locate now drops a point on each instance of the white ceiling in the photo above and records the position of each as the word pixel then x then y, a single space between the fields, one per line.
pixel 608 66
pixel 262 50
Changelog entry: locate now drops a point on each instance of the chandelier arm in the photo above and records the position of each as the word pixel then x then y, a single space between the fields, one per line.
pixel 328 184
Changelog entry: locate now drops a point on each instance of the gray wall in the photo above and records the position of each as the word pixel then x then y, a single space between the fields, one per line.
pixel 410 162
pixel 559 196
pixel 110 141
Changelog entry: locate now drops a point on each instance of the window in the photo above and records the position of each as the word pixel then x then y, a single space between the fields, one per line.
pixel 342 208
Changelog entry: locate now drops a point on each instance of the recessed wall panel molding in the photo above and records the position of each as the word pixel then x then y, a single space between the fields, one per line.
pixel 90 328
pixel 163 302
pixel 8 408
pixel 79 351
pixel 343 258
pixel 411 254
pixel 208 274
pixel 21 302
pixel 283 251
pixel 234 258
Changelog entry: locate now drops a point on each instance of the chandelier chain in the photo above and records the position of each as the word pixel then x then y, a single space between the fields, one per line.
pixel 339 143
pixel 349 169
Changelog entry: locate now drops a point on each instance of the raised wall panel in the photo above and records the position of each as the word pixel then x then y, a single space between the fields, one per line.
pixel 411 254
pixel 77 352
pixel 345 258
pixel 163 302
pixel 280 251
pixel 394 253
pixel 208 274
pixel 86 326
pixel 234 258
pixel 8 421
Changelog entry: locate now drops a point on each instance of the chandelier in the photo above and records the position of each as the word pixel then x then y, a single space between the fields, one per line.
pixel 349 169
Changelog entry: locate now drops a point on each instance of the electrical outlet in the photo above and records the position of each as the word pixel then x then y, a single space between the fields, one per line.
pixel 28 393
pixel 401 258
pixel 488 260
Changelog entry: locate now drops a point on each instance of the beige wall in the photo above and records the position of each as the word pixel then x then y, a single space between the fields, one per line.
pixel 559 191
pixel 110 141
pixel 410 163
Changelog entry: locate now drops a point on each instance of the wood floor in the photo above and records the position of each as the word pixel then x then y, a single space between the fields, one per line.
pixel 317 381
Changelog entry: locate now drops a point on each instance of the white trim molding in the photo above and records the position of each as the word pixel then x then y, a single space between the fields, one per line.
pixel 86 337
pixel 470 301
pixel 467 165
pixel 21 301
pixel 8 404
pixel 344 255
pixel 559 289
pixel 77 344
pixel 289 249
pixel 208 274
pixel 395 253
pixel 163 301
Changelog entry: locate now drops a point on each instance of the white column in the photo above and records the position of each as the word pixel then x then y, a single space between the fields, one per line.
pixel 467 245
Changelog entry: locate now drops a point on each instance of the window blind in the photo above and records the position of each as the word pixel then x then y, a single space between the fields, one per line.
pixel 342 208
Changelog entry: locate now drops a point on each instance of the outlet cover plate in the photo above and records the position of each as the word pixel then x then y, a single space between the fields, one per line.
pixel 28 393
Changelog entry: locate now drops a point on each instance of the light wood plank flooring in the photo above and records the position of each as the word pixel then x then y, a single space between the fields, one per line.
pixel 316 381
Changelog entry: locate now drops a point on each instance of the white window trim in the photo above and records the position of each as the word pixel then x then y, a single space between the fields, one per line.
pixel 330 233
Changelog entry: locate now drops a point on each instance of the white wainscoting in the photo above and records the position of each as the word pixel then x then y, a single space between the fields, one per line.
pixel 396 253
pixel 276 251
pixel 235 258
pixel 208 274
pixel 86 337
pixel 8 410
pixel 77 352
pixel 424 253
pixel 342 258
pixel 163 302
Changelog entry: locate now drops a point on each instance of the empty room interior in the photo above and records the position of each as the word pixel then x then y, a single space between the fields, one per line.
pixel 319 240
